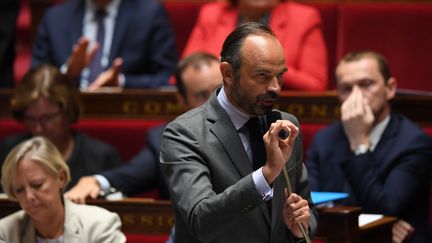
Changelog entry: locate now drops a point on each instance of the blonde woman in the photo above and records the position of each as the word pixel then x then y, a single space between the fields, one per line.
pixel 35 174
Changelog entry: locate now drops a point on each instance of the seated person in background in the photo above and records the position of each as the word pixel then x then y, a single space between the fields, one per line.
pixel 9 10
pixel 196 77
pixel 35 175
pixel 298 28
pixel 377 156
pixel 133 46
pixel 46 102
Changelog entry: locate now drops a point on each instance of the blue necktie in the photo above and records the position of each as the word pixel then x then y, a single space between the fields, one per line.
pixel 95 65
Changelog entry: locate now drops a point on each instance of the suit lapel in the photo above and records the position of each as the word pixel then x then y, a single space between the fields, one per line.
pixel 278 21
pixel 28 233
pixel 384 147
pixel 73 232
pixel 224 129
pixel 228 20
pixel 278 200
pixel 120 28
pixel 76 23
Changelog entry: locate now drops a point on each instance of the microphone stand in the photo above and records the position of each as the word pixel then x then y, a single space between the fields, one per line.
pixel 288 186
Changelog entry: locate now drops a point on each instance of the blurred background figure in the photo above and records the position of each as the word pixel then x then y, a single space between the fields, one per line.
pixel 35 175
pixel 47 103
pixel 298 28
pixel 197 76
pixel 8 17
pixel 127 43
pixel 376 155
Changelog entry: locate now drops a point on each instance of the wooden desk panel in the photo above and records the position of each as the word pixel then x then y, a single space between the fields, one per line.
pixel 151 217
pixel 308 107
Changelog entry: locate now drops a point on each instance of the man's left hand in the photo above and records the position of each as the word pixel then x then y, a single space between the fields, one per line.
pixel 110 77
pixel 296 210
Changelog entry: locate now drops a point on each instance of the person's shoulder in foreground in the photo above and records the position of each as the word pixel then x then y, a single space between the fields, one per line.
pixel 82 222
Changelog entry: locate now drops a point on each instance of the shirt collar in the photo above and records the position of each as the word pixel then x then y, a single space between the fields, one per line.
pixel 377 131
pixel 238 118
pixel 111 9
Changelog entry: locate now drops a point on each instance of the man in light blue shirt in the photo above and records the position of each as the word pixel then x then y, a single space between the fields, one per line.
pixel 131 44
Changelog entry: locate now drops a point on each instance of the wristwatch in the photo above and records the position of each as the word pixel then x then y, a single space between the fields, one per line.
pixel 361 149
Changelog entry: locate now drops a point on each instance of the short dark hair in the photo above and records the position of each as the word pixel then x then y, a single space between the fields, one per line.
pixel 231 49
pixel 185 63
pixel 46 81
pixel 380 59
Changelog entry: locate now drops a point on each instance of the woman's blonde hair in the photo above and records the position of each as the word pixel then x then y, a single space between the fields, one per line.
pixel 39 150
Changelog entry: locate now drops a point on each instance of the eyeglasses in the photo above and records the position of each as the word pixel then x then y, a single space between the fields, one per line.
pixel 44 120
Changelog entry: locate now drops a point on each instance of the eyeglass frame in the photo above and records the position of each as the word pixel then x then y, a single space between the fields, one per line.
pixel 44 120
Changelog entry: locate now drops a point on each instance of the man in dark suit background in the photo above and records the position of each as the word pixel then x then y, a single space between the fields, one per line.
pixel 127 43
pixel 221 187
pixel 196 78
pixel 377 156
pixel 9 10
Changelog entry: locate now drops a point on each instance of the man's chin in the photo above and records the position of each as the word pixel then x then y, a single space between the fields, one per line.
pixel 264 110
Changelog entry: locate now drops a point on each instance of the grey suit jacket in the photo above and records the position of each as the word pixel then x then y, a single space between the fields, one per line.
pixel 210 180
pixel 83 223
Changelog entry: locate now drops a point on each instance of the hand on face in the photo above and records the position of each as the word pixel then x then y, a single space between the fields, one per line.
pixel 87 186
pixel 296 210
pixel 357 118
pixel 110 77
pixel 80 57
pixel 278 150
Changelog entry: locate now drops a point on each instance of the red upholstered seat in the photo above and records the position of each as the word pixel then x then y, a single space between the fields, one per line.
pixel 401 32
pixel 183 16
pixel 329 18
pixel 22 41
pixel 127 136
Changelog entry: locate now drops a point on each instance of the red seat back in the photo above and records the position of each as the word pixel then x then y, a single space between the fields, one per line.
pixel 401 32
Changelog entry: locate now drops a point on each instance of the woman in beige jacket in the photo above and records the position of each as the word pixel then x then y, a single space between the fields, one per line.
pixel 35 174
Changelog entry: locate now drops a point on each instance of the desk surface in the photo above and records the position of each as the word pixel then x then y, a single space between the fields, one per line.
pixel 308 107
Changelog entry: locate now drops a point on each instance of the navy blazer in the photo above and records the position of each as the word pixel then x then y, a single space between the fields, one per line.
pixel 143 172
pixel 142 37
pixel 394 179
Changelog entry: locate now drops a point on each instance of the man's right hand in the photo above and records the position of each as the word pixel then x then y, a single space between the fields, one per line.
pixel 357 118
pixel 87 186
pixel 80 57
pixel 278 150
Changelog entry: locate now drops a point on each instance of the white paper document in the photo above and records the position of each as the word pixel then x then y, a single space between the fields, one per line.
pixel 368 218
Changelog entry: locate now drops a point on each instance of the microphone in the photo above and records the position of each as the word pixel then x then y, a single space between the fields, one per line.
pixel 272 117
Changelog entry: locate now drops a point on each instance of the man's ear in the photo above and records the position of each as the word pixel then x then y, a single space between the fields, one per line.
pixel 391 88
pixel 227 73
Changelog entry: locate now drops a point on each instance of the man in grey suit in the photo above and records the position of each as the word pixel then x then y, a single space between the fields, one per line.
pixel 208 156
